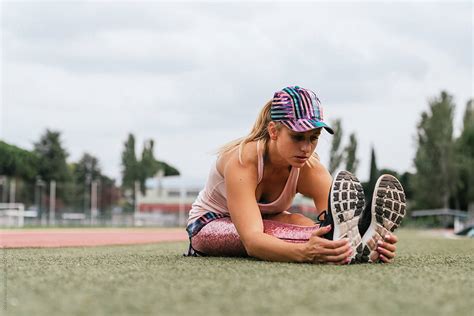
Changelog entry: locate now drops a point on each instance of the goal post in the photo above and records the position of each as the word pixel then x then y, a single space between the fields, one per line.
pixel 13 214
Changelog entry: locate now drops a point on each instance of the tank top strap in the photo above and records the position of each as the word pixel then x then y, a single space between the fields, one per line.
pixel 260 161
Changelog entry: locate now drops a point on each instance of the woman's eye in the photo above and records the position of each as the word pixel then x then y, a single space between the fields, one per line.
pixel 314 138
pixel 297 138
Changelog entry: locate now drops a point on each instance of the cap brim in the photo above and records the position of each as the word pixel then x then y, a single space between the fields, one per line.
pixel 305 125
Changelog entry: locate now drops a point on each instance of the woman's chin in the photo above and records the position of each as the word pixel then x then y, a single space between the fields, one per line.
pixel 298 162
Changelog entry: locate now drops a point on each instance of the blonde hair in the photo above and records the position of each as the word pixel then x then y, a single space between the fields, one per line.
pixel 259 132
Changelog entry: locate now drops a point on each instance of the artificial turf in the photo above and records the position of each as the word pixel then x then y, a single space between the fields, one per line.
pixel 431 276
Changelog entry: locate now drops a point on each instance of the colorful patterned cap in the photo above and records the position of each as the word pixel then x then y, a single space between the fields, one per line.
pixel 298 109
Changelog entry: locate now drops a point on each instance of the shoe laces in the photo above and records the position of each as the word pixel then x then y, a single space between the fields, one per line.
pixel 320 219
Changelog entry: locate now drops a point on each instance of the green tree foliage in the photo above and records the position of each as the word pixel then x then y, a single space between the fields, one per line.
pixel 84 171
pixel 130 168
pixel 148 164
pixel 168 169
pixel 374 174
pixel 52 157
pixel 141 170
pixel 87 169
pixel 435 177
pixel 18 163
pixel 21 167
pixel 336 155
pixel 465 160
pixel 350 154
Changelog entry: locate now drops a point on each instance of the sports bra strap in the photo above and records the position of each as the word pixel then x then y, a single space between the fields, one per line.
pixel 260 161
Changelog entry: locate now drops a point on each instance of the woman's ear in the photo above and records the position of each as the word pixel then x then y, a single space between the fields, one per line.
pixel 272 130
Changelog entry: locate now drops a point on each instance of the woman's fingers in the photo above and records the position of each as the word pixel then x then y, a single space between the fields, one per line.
pixel 321 231
pixel 386 253
pixel 384 259
pixel 392 239
pixel 334 244
pixel 336 251
pixel 323 250
pixel 339 258
pixel 386 245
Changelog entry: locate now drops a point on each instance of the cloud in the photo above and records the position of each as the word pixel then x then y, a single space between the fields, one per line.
pixel 193 76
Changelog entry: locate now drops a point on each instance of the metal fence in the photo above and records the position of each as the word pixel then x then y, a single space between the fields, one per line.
pixel 40 203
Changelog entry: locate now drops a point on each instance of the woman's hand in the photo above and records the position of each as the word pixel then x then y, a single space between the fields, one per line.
pixel 386 248
pixel 321 250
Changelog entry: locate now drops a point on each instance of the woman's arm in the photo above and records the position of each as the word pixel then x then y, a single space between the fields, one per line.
pixel 241 182
pixel 315 182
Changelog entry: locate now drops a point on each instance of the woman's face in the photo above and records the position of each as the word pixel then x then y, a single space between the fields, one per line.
pixel 295 147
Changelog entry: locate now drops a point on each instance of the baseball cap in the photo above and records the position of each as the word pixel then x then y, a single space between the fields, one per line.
pixel 298 109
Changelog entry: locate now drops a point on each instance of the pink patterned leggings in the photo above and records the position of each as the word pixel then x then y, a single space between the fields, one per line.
pixel 220 238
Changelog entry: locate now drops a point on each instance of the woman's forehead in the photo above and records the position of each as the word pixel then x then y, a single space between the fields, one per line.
pixel 315 131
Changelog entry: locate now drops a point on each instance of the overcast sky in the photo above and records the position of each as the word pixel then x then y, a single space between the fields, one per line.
pixel 193 76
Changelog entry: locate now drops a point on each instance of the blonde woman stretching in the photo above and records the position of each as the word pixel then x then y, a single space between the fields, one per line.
pixel 243 209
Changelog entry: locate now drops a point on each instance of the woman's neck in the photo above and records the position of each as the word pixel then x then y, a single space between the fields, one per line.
pixel 272 158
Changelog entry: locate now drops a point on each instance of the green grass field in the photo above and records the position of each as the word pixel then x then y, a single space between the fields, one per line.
pixel 431 276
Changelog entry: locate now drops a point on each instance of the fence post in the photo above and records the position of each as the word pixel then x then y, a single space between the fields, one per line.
pixel 52 202
pixel 12 190
pixel 93 202
pixel 3 183
pixel 135 202
pixel 21 215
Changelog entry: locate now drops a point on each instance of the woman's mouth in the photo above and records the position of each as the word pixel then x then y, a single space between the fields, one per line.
pixel 301 158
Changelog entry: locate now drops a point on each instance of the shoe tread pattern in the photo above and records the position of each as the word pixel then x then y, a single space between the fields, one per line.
pixel 389 208
pixel 347 203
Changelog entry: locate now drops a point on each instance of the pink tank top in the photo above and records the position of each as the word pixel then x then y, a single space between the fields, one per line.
pixel 213 197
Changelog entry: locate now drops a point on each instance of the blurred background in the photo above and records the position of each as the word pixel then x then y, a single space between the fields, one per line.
pixel 111 112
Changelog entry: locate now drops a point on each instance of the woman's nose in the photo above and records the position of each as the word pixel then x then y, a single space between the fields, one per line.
pixel 306 146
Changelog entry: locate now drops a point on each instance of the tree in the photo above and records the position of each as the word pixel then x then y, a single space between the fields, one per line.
pixel 130 168
pixel 167 169
pixel 18 163
pixel 141 170
pixel 350 154
pixel 148 164
pixel 21 166
pixel 52 157
pixel 87 169
pixel 465 160
pixel 336 155
pixel 130 171
pixel 53 167
pixel 434 180
pixel 373 176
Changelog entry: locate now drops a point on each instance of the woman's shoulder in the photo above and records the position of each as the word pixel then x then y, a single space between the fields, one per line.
pixel 248 157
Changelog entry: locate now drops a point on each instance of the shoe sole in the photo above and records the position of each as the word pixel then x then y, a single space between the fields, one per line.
pixel 347 202
pixel 388 209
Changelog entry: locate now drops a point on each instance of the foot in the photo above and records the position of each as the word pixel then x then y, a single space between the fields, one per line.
pixel 387 210
pixel 346 202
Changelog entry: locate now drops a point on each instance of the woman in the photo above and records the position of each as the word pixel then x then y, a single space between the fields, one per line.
pixel 243 209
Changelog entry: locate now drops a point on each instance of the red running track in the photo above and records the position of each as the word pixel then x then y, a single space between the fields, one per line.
pixel 87 237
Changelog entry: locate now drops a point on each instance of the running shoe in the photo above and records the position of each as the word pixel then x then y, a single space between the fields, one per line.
pixel 346 203
pixel 386 212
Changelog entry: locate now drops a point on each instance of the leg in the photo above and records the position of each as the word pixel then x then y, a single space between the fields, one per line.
pixel 290 218
pixel 220 237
